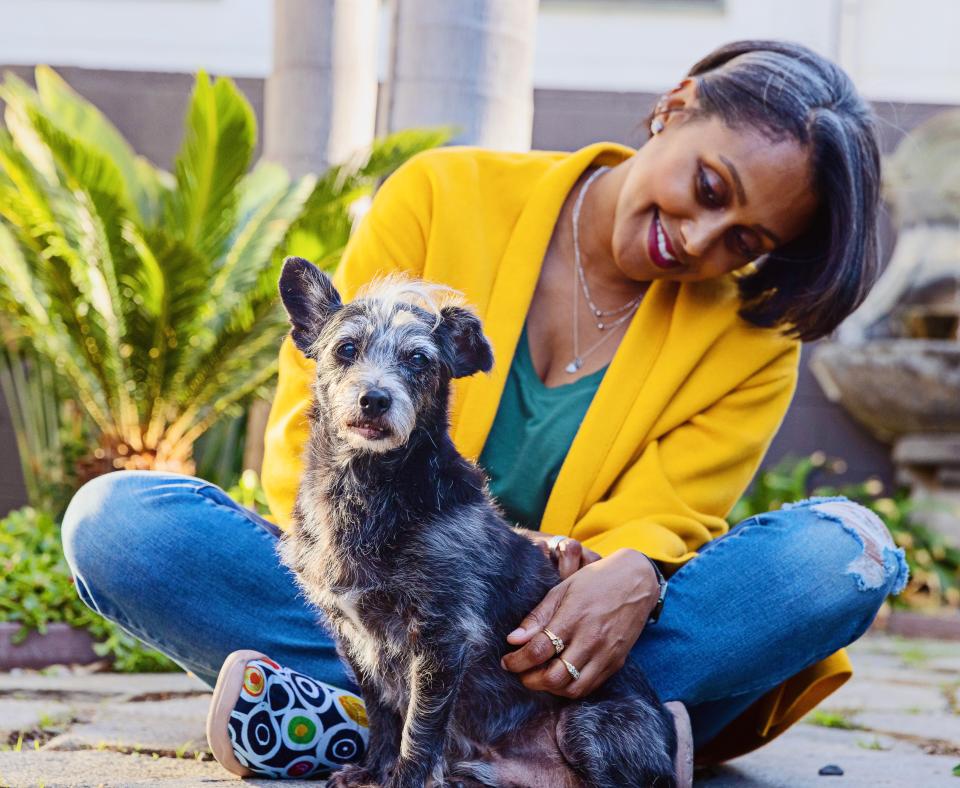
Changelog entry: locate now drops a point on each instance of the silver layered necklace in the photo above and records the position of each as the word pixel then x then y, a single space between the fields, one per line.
pixel 620 315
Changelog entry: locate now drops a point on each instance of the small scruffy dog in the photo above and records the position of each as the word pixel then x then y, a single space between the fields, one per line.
pixel 397 541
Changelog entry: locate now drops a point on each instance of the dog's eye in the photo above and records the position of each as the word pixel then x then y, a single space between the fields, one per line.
pixel 347 351
pixel 418 360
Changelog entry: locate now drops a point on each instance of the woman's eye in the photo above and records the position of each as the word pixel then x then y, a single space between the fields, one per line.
pixel 747 245
pixel 709 192
pixel 419 360
pixel 347 351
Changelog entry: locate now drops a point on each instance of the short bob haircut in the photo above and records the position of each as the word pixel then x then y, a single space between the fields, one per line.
pixel 810 285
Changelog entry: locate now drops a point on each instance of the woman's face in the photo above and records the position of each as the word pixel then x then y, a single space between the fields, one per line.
pixel 701 199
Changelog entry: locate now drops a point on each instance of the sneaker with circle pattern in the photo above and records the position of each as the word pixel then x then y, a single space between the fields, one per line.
pixel 286 724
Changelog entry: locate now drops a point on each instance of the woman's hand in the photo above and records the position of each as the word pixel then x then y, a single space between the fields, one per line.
pixel 570 555
pixel 598 612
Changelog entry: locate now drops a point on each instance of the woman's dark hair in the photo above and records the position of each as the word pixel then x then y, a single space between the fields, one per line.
pixel 788 91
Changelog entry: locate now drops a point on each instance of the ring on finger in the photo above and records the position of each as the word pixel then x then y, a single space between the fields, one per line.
pixel 556 640
pixel 574 673
pixel 554 544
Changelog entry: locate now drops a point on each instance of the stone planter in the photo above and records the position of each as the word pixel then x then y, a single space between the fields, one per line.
pixel 62 645
pixel 894 387
pixel 911 624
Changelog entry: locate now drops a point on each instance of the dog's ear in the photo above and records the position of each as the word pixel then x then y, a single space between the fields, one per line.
pixel 310 299
pixel 468 349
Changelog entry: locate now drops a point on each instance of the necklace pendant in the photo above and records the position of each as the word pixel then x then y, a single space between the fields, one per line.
pixel 574 366
pixel 601 326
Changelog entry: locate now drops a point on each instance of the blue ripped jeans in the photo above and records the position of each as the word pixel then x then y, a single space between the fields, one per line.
pixel 177 563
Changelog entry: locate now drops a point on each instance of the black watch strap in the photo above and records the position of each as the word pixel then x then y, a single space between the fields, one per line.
pixel 657 608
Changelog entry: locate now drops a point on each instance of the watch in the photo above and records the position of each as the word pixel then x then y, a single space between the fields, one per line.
pixel 657 608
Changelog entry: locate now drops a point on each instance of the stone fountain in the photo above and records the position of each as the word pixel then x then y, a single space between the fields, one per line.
pixel 895 363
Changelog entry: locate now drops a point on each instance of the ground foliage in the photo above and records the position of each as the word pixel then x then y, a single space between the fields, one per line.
pixel 934 564
pixel 36 589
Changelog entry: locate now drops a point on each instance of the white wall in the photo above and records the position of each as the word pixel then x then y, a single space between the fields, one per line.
pixel 895 49
pixel 907 50
pixel 645 47
pixel 224 36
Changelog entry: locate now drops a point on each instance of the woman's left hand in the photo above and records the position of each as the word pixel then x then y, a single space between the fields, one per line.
pixel 569 556
pixel 598 612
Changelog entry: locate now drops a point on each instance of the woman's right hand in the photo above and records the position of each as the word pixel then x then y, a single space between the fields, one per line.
pixel 570 554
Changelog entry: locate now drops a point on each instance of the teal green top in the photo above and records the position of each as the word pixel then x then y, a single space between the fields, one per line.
pixel 531 435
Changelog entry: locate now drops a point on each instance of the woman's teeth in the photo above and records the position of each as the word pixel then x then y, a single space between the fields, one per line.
pixel 662 243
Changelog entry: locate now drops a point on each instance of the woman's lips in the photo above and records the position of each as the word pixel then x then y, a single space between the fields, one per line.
pixel 659 248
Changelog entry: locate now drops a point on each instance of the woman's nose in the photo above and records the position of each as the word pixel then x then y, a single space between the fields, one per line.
pixel 699 234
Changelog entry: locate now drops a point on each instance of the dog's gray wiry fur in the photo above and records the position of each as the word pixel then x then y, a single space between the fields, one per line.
pixel 397 541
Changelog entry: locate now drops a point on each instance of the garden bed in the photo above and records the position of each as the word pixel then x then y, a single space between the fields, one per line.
pixel 61 645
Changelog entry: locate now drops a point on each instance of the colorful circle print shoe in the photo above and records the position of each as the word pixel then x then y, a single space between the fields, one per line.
pixel 269 721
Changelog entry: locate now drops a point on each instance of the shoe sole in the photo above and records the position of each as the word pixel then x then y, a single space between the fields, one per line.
pixel 224 700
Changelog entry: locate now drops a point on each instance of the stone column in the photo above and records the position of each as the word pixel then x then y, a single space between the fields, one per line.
pixel 320 106
pixel 321 97
pixel 466 63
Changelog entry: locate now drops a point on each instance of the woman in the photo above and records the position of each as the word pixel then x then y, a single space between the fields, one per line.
pixel 646 310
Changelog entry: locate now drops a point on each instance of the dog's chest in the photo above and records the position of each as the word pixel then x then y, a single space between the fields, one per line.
pixel 377 631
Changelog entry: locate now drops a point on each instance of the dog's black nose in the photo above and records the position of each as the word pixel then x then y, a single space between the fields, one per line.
pixel 374 402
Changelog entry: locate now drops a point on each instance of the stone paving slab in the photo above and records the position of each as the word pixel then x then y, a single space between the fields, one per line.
pixel 794 760
pixel 938 727
pixel 168 726
pixel 28 715
pixel 103 768
pixel 81 682
pixel 906 689
pixel 882 696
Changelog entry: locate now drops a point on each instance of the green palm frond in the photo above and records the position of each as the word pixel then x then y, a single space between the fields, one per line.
pixel 142 183
pixel 39 216
pixel 260 232
pixel 151 298
pixel 216 151
pixel 390 152
pixel 101 258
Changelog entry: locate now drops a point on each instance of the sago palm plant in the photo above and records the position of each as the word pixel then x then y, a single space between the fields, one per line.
pixel 153 295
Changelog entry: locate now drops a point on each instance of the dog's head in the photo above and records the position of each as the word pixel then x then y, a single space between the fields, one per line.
pixel 384 361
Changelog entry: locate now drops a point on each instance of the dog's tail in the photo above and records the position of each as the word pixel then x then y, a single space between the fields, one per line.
pixel 619 742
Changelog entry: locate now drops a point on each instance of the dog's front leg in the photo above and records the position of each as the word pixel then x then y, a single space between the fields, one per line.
pixel 383 747
pixel 435 682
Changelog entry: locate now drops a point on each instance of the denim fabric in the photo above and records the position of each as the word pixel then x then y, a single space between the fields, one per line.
pixel 177 563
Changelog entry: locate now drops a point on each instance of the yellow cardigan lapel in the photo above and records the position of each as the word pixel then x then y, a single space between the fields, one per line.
pixel 620 389
pixel 477 398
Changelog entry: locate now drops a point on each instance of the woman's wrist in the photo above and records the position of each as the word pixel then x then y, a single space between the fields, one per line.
pixel 650 579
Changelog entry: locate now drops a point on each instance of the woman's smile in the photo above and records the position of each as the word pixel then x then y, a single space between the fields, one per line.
pixel 659 247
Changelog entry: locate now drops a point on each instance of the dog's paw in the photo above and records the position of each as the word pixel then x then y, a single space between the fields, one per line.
pixel 353 776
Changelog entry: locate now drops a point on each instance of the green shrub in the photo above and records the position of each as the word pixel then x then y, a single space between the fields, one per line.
pixel 36 590
pixel 934 564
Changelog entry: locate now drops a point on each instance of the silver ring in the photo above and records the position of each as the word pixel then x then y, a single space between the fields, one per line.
pixel 574 673
pixel 554 544
pixel 556 640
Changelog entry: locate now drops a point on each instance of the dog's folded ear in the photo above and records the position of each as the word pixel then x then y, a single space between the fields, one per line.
pixel 467 348
pixel 310 299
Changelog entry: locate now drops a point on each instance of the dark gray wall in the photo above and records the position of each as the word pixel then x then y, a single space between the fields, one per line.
pixel 148 109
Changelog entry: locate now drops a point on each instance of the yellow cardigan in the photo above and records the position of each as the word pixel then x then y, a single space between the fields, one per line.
pixel 678 426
